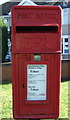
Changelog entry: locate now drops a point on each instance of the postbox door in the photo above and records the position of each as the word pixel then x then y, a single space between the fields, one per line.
pixel 44 104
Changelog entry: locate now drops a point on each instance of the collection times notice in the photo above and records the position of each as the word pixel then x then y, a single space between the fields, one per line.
pixel 36 81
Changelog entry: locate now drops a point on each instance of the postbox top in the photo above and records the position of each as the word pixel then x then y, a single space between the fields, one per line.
pixel 36 15
pixel 36 29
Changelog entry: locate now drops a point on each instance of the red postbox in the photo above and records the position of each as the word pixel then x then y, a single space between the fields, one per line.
pixel 36 61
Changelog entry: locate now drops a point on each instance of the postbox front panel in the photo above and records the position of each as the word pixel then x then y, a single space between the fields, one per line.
pixel 35 80
pixel 36 56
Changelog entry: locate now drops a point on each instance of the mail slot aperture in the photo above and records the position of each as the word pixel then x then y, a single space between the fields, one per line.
pixel 48 28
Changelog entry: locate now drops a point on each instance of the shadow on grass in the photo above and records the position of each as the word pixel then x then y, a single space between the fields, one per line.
pixel 5 82
pixel 65 79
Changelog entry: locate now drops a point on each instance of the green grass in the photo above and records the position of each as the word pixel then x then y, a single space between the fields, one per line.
pixel 6 101
pixel 64 100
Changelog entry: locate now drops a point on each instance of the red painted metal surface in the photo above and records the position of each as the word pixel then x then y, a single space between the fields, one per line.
pixel 36 30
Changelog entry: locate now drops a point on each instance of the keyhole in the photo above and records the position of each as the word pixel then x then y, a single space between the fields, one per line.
pixel 23 85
